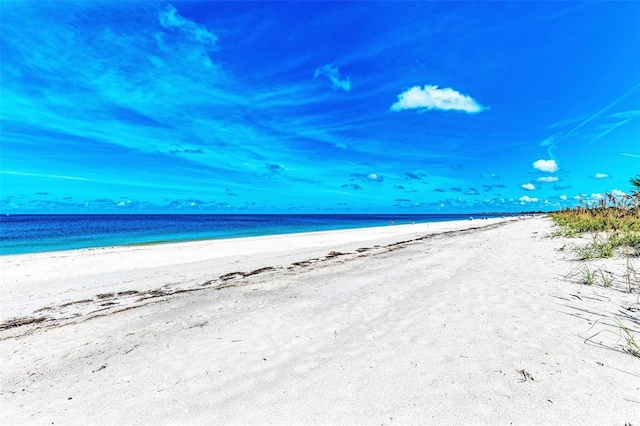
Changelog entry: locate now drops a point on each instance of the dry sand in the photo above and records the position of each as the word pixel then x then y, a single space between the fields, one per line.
pixel 415 324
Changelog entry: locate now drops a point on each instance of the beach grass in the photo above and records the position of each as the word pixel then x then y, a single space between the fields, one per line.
pixel 614 221
pixel 588 276
pixel 607 279
pixel 633 347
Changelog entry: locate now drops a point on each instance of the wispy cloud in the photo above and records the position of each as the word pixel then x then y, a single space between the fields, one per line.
pixel 152 88
pixel 546 165
pixel 601 176
pixel 548 179
pixel 333 74
pixel 45 176
pixel 550 140
pixel 557 187
pixel 605 129
pixel 171 19
pixel 626 114
pixel 431 97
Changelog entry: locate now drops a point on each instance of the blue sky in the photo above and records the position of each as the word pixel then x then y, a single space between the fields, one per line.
pixel 327 107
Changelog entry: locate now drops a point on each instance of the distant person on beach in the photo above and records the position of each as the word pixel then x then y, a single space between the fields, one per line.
pixel 392 222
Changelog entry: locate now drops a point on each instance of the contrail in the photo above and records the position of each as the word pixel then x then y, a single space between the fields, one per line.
pixel 610 129
pixel 597 113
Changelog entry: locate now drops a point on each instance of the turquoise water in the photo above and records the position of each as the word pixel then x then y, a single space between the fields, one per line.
pixel 39 233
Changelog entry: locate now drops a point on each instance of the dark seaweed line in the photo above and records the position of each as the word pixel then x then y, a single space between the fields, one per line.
pixel 223 280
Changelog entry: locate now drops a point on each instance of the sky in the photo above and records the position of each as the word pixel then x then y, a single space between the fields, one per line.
pixel 316 107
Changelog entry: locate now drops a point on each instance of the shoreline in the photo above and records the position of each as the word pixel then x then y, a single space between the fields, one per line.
pixel 172 237
pixel 461 326
pixel 24 294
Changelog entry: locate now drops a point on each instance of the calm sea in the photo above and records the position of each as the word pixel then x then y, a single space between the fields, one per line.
pixel 38 233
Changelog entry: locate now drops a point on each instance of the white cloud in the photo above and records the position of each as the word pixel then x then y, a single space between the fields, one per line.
pixel 333 74
pixel 617 193
pixel 563 197
pixel 548 179
pixel 528 186
pixel 527 199
pixel 601 176
pixel 431 97
pixel 374 176
pixel 546 166
pixel 170 19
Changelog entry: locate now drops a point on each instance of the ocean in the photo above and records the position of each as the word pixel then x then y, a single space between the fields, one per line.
pixel 39 233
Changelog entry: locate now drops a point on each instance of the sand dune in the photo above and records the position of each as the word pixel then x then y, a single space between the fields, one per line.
pixel 422 324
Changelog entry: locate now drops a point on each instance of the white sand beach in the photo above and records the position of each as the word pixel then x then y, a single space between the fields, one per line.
pixel 472 322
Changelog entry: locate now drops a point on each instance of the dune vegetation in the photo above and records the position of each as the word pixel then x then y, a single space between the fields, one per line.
pixel 614 221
